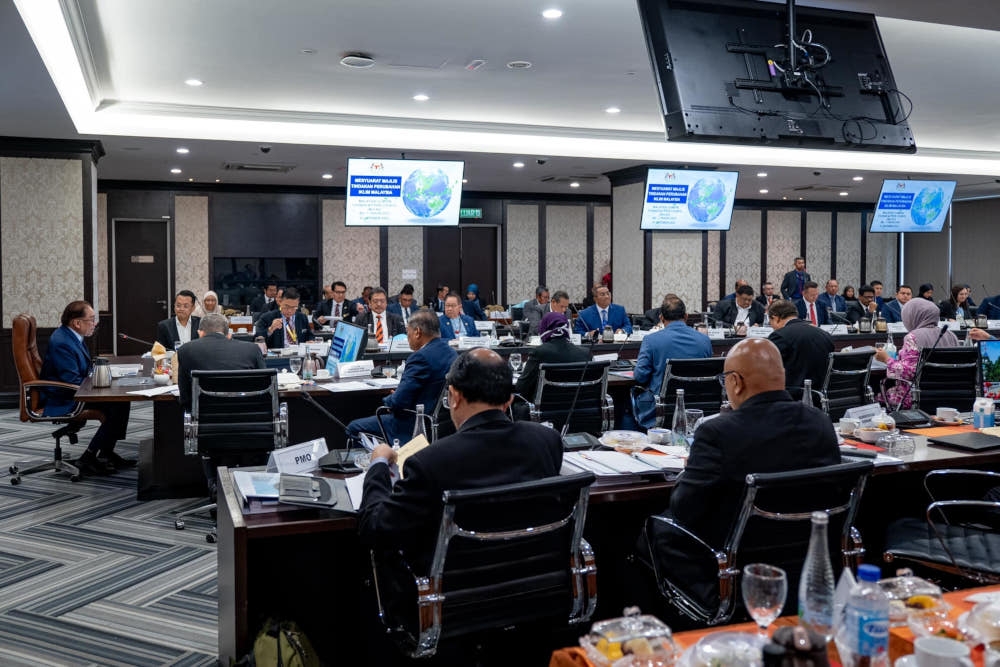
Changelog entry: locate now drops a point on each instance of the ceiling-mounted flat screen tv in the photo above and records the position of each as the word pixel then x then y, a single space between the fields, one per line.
pixel 684 200
pixel 403 193
pixel 726 73
pixel 912 206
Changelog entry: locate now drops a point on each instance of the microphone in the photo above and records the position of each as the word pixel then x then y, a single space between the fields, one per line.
pixel 338 459
pixel 831 313
pixel 379 371
pixel 576 394
pixel 137 340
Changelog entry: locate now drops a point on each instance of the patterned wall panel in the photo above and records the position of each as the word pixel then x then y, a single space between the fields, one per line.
pixel 602 245
pixel 522 251
pixel 41 218
pixel 677 267
pixel 712 268
pixel 103 268
pixel 350 254
pixel 881 261
pixel 628 243
pixel 743 249
pixel 818 250
pixel 406 253
pixel 849 249
pixel 566 249
pixel 784 244
pixel 191 244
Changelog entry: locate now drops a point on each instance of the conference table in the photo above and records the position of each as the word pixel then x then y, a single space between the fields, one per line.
pixel 260 545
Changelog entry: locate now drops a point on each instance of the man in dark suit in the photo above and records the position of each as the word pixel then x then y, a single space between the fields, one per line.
pixel 556 348
pixel 454 322
pixel 437 303
pixel 893 310
pixel 285 326
pixel 535 309
pixel 404 305
pixel 214 350
pixel 266 302
pixel 865 306
pixel 488 449
pixel 183 326
pixel 767 431
pixel 766 296
pixel 805 350
pixel 68 360
pixel 381 324
pixel 337 307
pixel 808 306
pixel 603 313
pixel 361 305
pixel 740 312
pixel 795 280
pixel 421 383
pixel 831 299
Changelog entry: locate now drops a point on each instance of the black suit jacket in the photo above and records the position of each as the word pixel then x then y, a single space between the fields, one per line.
pixel 790 284
pixel 263 305
pixel 394 322
pixel 726 311
pixel 769 433
pixel 805 352
pixel 855 311
pixel 555 351
pixel 166 331
pixel 762 300
pixel 325 309
pixel 213 352
pixel 488 449
pixel 277 339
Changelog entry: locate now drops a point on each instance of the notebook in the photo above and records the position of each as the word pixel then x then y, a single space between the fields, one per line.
pixel 969 442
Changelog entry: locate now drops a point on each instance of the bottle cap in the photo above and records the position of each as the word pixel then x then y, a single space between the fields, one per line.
pixel 868 572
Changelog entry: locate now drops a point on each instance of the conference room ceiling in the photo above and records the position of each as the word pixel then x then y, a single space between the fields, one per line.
pixel 272 77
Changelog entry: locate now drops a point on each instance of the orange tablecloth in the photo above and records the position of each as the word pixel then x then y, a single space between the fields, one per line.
pixel 900 639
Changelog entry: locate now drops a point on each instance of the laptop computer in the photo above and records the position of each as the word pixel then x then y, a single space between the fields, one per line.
pixel 973 441
pixel 989 368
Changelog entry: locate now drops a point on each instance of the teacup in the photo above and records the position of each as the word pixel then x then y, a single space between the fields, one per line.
pixel 847 426
pixel 322 374
pixel 947 414
pixel 658 436
pixel 941 652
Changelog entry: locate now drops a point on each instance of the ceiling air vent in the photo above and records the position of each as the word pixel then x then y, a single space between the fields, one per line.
pixel 582 178
pixel 259 167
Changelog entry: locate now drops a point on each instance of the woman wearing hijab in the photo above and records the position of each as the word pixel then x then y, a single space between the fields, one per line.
pixel 209 305
pixel 556 348
pixel 920 317
pixel 473 305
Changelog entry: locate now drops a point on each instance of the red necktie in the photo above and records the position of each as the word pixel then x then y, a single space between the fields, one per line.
pixel 378 328
pixel 812 313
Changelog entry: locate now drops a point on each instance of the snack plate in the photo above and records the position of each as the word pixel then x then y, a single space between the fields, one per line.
pixel 619 438
pixel 732 649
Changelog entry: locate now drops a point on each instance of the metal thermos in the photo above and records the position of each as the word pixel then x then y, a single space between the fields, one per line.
pixel 102 373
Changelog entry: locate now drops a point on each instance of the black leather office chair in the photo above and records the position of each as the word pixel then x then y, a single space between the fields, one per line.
pixel 773 526
pixel 580 386
pixel 235 419
pixel 960 531
pixel 947 377
pixel 699 380
pixel 846 383
pixel 504 556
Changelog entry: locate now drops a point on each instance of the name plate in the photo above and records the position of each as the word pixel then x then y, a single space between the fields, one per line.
pixel 297 459
pixel 993 324
pixel 863 412
pixel 716 334
pixel 896 327
pixel 576 339
pixel 470 342
pixel 319 349
pixel 610 356
pixel 355 369
pixel 759 332
pixel 241 320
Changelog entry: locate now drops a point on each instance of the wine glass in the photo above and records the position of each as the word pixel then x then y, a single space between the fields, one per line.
pixel 295 364
pixel 515 361
pixel 764 590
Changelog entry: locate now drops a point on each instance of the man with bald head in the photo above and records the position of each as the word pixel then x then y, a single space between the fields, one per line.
pixel 767 431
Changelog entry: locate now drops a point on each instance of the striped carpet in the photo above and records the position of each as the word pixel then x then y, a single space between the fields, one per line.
pixel 91 576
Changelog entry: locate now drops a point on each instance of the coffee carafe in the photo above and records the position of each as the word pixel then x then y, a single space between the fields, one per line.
pixel 102 373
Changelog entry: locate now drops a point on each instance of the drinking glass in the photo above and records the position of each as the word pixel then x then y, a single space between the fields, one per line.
pixel 515 361
pixel 295 364
pixel 764 590
pixel 692 415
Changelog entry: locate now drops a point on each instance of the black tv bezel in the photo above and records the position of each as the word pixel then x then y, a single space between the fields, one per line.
pixel 704 170
pixel 940 229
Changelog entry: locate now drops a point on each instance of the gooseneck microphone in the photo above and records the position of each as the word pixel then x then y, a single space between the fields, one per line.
pixel 133 338
pixel 831 313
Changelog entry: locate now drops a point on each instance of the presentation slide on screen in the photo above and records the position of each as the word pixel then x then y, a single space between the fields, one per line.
pixel 678 199
pixel 912 206
pixel 403 192
pixel 346 345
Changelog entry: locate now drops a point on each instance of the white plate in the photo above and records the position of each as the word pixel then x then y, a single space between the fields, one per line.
pixel 976 598
pixel 613 438
pixel 325 378
pixel 722 645
pixel 907 661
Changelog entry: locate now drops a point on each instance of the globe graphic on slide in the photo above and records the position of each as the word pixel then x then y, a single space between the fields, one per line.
pixel 706 199
pixel 426 192
pixel 927 206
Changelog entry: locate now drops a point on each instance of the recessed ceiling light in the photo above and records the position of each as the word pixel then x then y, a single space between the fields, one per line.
pixel 858 178
pixel 574 184
pixel 613 110
pixel 357 61
pixel 194 82
pixel 801 198
pixel 175 170
pixel 218 180
pixel 784 197
pixel 761 174
pixel 465 180
pixel 518 165
pixel 183 151
pixel 552 13
pixel 844 194
pixel 190 180
pixel 328 176
pixel 763 191
pixel 420 97
pixel 308 52
pixel 519 64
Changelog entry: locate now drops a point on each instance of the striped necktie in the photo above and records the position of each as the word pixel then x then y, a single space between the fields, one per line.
pixel 378 328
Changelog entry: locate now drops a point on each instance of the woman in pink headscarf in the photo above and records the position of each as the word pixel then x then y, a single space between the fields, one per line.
pixel 920 317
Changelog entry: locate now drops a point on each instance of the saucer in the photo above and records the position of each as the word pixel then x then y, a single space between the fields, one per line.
pixel 948 422
pixel 907 661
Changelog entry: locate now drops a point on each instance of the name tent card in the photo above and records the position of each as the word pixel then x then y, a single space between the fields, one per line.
pixel 471 342
pixel 759 332
pixel 298 459
pixel 716 334
pixel 355 369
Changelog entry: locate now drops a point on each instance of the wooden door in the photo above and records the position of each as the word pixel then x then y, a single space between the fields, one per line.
pixel 457 256
pixel 141 274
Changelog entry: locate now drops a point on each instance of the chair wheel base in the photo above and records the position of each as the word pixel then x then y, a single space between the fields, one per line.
pixel 211 538
pixel 13 470
pixel 178 525
pixel 74 478
pixel 15 480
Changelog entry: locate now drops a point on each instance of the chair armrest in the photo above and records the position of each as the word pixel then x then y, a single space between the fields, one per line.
pixel 533 412
pixel 39 384
pixel 190 435
pixel 980 514
pixel 35 386
pixel 911 390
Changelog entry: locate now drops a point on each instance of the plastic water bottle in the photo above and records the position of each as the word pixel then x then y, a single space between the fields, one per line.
pixel 678 429
pixel 817 588
pixel 864 637
pixel 807 392
pixel 982 412
pixel 960 317
pixel 890 347
pixel 419 428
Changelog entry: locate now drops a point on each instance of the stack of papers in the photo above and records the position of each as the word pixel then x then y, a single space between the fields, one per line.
pixel 608 463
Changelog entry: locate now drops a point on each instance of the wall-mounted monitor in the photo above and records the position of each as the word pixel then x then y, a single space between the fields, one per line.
pixel 684 200
pixel 348 344
pixel 912 206
pixel 403 193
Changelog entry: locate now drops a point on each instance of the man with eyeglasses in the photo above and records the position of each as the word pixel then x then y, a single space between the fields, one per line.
pixel 183 326
pixel 286 326
pixel 68 360
pixel 337 307
pixel 767 431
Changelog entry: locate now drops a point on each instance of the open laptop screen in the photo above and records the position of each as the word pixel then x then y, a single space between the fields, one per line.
pixel 989 368
pixel 348 344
